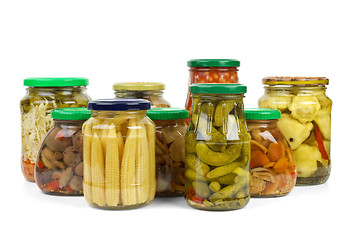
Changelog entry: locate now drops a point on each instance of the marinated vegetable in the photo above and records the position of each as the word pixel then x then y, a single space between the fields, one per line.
pixel 119 154
pixel 272 165
pixel 305 123
pixel 59 161
pixel 44 95
pixel 217 148
pixel 171 128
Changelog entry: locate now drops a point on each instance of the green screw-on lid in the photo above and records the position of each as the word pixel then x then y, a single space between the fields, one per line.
pixel 56 82
pixel 213 63
pixel 214 88
pixel 261 113
pixel 71 113
pixel 167 113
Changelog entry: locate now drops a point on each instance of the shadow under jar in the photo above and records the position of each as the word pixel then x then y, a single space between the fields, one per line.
pixel 59 165
pixel 171 128
pixel 272 165
pixel 119 154
pixel 217 148
pixel 305 122
pixel 42 96
pixel 211 71
pixel 151 91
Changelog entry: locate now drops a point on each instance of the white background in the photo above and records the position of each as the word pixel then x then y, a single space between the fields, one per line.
pixel 110 41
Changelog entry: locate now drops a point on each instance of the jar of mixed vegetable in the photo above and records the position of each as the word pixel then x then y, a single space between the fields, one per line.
pixel 272 165
pixel 211 71
pixel 58 168
pixel 305 122
pixel 42 96
pixel 151 91
pixel 217 148
pixel 171 128
pixel 119 154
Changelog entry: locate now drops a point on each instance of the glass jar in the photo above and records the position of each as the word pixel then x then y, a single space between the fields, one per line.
pixel 305 122
pixel 151 91
pixel 119 154
pixel 217 148
pixel 42 96
pixel 58 168
pixel 211 71
pixel 272 165
pixel 171 128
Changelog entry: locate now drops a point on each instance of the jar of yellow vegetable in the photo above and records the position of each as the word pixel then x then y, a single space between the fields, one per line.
pixel 171 128
pixel 119 154
pixel 305 122
pixel 42 96
pixel 217 148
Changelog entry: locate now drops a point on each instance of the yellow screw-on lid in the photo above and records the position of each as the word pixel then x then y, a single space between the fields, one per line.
pixel 139 86
pixel 295 81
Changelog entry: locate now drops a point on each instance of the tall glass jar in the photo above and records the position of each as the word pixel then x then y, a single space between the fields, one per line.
pixel 151 91
pixel 211 71
pixel 305 122
pixel 217 148
pixel 42 96
pixel 59 165
pixel 272 164
pixel 171 128
pixel 119 154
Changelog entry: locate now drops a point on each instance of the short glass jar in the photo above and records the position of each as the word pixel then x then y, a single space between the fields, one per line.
pixel 59 165
pixel 305 122
pixel 119 154
pixel 42 96
pixel 217 148
pixel 211 71
pixel 171 128
pixel 151 91
pixel 272 165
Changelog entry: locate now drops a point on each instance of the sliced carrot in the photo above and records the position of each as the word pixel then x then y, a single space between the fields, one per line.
pixel 275 151
pixel 281 165
pixel 260 146
pixel 269 165
pixel 258 159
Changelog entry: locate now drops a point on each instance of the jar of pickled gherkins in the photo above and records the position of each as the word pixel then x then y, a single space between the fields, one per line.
pixel 217 148
pixel 59 165
pixel 211 71
pixel 305 122
pixel 171 128
pixel 119 154
pixel 271 162
pixel 151 91
pixel 42 96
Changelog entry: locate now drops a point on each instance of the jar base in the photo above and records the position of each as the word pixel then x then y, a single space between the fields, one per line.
pixel 120 207
pixel 224 205
pixel 310 181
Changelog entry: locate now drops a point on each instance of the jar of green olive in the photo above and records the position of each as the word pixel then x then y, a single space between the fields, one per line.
pixel 217 148
pixel 305 122
pixel 42 96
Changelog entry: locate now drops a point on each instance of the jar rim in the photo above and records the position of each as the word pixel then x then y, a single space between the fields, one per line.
pixel 138 86
pixel 302 81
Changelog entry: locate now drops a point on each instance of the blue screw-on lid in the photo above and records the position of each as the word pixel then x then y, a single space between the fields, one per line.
pixel 119 104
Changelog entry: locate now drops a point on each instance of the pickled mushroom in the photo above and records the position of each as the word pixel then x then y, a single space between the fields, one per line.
pixel 77 140
pixel 71 156
pixel 76 183
pixel 171 133
pixel 213 158
pixel 294 131
pixel 56 143
pixel 304 108
pixel 177 149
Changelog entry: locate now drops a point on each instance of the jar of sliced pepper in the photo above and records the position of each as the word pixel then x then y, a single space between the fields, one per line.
pixel 171 128
pixel 119 154
pixel 272 164
pixel 211 71
pixel 305 122
pixel 58 168
pixel 217 148
pixel 42 96
pixel 151 91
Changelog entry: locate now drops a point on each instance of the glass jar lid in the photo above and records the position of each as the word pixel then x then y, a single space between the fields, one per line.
pixel 56 82
pixel 213 63
pixel 295 81
pixel 119 104
pixel 138 86
pixel 213 88
pixel 261 113
pixel 71 113
pixel 167 113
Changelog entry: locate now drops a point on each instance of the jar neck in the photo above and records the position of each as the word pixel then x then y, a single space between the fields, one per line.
pixel 111 114
pixel 63 90
pixel 138 94
pixel 170 122
pixel 61 123
pixel 295 88
pixel 259 123
pixel 214 97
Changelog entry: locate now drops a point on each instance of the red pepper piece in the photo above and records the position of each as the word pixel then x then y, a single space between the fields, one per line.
pixel 197 199
pixel 40 164
pixel 68 189
pixel 319 138
pixel 190 192
pixel 52 186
